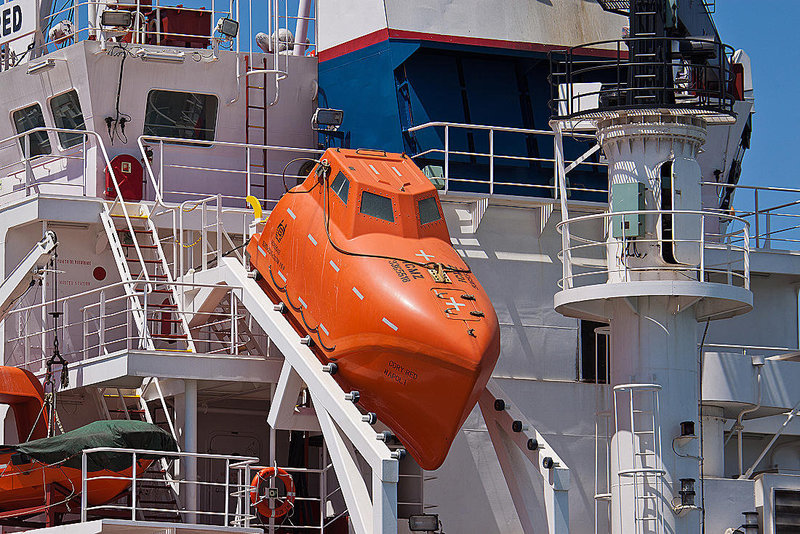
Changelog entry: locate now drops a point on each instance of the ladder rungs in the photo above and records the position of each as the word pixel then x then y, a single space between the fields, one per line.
pixel 121 216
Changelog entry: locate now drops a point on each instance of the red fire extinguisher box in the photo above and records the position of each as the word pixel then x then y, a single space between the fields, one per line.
pixel 130 178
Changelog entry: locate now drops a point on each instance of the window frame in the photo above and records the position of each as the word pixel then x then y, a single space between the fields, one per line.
pixel 204 143
pixel 61 146
pixel 382 195
pixel 346 181
pixel 438 210
pixel 22 137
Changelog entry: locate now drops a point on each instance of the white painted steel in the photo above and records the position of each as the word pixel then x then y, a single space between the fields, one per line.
pixel 25 274
pixel 514 455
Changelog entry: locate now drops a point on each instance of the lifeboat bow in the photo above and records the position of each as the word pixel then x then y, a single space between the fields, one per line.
pixel 360 254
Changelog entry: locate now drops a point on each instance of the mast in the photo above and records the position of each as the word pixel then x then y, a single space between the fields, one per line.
pixel 651 98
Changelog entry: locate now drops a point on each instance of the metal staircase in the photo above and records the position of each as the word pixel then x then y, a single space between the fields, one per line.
pixel 142 264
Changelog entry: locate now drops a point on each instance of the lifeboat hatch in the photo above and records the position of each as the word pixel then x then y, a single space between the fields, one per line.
pixel 457 304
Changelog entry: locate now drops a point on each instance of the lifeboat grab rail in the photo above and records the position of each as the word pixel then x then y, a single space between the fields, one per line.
pixel 233 489
pixel 493 156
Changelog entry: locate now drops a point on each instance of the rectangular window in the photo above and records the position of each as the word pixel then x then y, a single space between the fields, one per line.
pixel 377 206
pixel 27 119
pixel 341 186
pixel 428 210
pixel 183 115
pixel 67 114
pixel 594 352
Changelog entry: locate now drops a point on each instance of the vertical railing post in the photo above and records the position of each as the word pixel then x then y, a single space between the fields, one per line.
pixel 204 234
pixel 446 158
pixel 227 491
pixel 85 138
pixel 133 487
pixel 219 229
pixel 160 192
pixel 702 248
pixel 84 492
pixel 247 171
pixel 746 257
pixel 768 229
pixel 756 216
pixel 234 326
pixel 491 161
pixel 28 168
pixel 101 332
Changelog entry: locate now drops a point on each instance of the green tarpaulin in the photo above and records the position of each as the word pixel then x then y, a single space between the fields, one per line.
pixel 122 434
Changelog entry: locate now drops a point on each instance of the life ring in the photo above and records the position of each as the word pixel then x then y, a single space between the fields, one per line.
pixel 261 501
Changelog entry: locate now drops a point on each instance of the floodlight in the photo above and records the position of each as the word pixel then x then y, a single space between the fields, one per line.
pixel 327 119
pixel 116 19
pixel 227 27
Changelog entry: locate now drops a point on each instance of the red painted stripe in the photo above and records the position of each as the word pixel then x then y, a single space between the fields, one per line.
pixel 384 34
pixel 378 36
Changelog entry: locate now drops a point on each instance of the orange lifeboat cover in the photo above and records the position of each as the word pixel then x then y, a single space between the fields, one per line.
pixel 361 256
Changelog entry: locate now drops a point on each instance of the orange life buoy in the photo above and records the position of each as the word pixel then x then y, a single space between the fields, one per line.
pixel 261 501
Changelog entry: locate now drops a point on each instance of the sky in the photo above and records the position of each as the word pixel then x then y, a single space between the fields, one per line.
pixel 767 30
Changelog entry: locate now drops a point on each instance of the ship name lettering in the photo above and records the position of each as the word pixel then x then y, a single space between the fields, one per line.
pixel 398 269
pixel 413 270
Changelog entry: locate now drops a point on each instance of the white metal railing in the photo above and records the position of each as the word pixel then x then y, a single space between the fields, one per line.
pixel 494 156
pixel 589 257
pixel 773 212
pixel 101 322
pixel 66 169
pixel 80 20
pixel 258 161
pixel 235 510
pixel 323 491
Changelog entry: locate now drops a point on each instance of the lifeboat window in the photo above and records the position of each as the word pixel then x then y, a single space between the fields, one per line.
pixel 67 114
pixel 341 186
pixel 183 115
pixel 428 210
pixel 27 119
pixel 377 206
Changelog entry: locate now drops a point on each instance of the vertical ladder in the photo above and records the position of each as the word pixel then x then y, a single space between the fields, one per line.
pixel 255 132
pixel 648 82
pixel 644 471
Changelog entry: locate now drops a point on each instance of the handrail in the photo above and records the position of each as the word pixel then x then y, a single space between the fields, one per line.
pixel 492 156
pixel 161 141
pixel 237 489
pixel 735 242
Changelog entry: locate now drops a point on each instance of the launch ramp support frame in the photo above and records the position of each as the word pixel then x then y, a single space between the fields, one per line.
pixel 516 441
pixel 340 420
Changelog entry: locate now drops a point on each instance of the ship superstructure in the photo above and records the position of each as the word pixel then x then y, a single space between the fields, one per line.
pixel 587 155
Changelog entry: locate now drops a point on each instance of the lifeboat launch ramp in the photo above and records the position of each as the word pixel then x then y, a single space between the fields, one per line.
pixel 525 457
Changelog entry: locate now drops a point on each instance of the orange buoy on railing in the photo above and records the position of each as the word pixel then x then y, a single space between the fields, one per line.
pixel 261 499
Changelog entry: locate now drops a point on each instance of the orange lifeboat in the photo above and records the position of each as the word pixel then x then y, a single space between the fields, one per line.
pixel 361 256
pixel 30 472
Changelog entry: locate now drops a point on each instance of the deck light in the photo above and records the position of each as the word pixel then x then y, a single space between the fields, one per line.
pixel 327 120
pixel 162 56
pixel 423 523
pixel 227 27
pixel 41 66
pixel 116 19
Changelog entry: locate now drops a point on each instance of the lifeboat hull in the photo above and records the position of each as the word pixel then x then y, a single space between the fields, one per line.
pixel 390 302
pixel 23 486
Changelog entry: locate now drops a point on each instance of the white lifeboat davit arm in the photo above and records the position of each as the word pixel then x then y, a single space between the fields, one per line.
pixel 26 272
